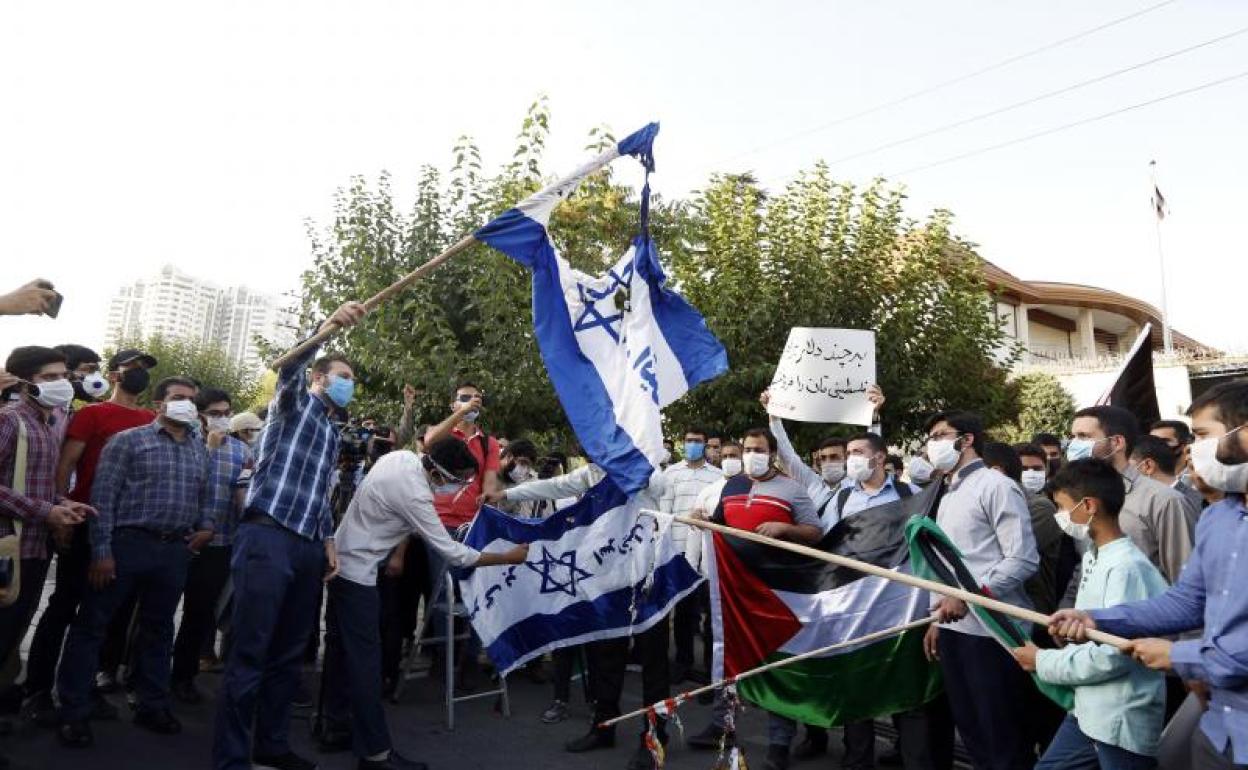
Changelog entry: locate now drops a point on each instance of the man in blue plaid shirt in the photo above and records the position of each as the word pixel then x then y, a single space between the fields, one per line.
pixel 282 550
pixel 150 495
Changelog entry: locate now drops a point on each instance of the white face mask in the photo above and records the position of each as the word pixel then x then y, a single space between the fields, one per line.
pixel 920 470
pixel 943 454
pixel 54 394
pixel 1034 480
pixel 757 463
pixel 832 471
pixel 95 385
pixel 519 473
pixel 182 411
pixel 1073 528
pixel 731 466
pixel 219 424
pixel 858 468
pixel 1214 472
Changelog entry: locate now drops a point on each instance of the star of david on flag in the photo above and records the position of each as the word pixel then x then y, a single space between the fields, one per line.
pixel 618 346
pixel 596 570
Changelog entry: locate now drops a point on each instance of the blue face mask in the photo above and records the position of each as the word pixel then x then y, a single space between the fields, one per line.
pixel 694 450
pixel 1079 448
pixel 340 390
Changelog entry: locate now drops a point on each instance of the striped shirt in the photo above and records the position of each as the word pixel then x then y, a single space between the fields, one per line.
pixel 298 453
pixel 681 487
pixel 226 469
pixel 150 480
pixel 43 449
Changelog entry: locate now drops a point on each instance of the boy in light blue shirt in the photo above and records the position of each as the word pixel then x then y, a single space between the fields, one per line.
pixel 1119 704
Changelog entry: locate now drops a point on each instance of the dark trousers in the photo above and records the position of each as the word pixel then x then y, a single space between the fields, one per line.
pixel 1206 756
pixel 353 666
pixel 912 742
pixel 277 584
pixel 685 618
pixel 205 579
pixel 564 659
pixel 153 570
pixel 15 619
pixel 71 587
pixel 400 606
pixel 987 694
pixel 608 658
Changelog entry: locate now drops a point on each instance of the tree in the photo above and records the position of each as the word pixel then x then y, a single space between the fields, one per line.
pixel 826 254
pixel 818 254
pixel 1044 406
pixel 206 363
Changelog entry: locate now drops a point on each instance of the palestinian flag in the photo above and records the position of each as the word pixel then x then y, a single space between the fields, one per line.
pixel 768 604
pixel 935 557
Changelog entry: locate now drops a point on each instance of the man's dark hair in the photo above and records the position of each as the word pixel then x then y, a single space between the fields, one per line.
pixel 1095 478
pixel 453 455
pixel 1031 450
pixel 1155 449
pixel 209 396
pixel 835 442
pixel 698 431
pixel 162 388
pixel 522 447
pixel 466 384
pixel 765 433
pixel 998 454
pixel 1229 401
pixel 727 442
pixel 1181 430
pixel 877 443
pixel 322 364
pixel 77 355
pixel 263 414
pixel 1046 439
pixel 1114 421
pixel 896 461
pixel 26 361
pixel 962 422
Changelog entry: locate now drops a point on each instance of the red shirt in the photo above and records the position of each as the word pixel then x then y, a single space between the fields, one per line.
pixel 94 425
pixel 462 507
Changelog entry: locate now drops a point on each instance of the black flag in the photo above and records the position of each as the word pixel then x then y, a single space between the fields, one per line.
pixel 1134 389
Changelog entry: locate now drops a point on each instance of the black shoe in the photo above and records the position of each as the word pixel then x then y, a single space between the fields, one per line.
pixel 395 761
pixel 288 761
pixel 815 744
pixel 160 721
pixel 106 682
pixel 777 758
pixel 187 693
pixel 75 735
pixel 642 759
pixel 709 739
pixel 596 738
pixel 101 709
pixel 41 709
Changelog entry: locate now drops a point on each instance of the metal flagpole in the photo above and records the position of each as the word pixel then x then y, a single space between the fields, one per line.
pixel 1158 213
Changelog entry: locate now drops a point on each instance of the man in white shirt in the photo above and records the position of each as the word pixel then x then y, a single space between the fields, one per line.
pixel 682 483
pixel 395 500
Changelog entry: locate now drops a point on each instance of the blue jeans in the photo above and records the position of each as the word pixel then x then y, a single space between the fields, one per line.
pixel 353 665
pixel 154 570
pixel 1072 750
pixel 277 584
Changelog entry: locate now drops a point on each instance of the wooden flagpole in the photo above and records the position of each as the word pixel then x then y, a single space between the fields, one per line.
pixel 900 577
pixel 684 696
pixel 372 302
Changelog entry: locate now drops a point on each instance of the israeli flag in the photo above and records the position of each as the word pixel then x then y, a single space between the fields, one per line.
pixel 596 570
pixel 619 346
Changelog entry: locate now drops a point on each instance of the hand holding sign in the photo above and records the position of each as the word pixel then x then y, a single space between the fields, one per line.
pixel 825 375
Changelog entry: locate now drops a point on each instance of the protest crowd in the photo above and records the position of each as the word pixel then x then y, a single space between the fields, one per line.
pixel 193 536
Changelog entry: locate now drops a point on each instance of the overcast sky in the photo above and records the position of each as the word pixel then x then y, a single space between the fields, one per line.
pixel 203 135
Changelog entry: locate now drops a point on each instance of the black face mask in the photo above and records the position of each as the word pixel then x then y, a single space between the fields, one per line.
pixel 135 381
pixel 81 393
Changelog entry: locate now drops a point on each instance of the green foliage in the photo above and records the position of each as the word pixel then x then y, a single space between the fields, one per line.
pixel 818 254
pixel 207 364
pixel 1044 406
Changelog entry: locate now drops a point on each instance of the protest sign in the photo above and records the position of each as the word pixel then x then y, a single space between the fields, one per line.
pixel 823 376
